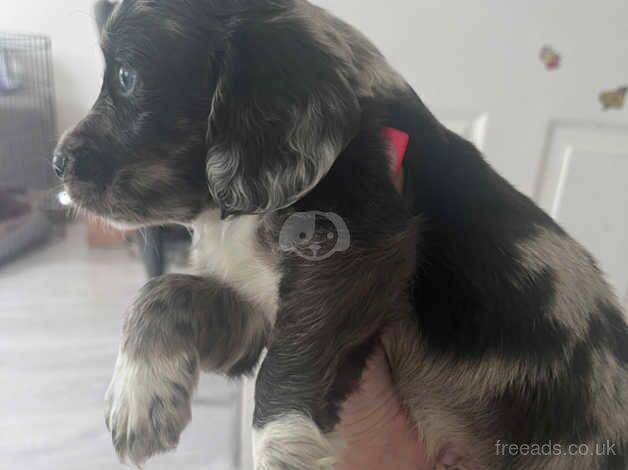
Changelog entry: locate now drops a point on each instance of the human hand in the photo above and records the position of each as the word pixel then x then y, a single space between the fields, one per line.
pixel 376 432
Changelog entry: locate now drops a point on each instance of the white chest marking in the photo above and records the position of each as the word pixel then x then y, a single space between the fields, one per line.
pixel 230 251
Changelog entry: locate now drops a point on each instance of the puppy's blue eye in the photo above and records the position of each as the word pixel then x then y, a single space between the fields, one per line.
pixel 127 78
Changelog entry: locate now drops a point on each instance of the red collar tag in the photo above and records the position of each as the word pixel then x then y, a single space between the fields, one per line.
pixel 398 142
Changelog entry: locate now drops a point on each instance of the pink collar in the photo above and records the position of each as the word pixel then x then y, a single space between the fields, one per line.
pixel 398 142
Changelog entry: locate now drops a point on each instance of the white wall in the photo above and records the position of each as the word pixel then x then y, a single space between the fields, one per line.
pixel 76 56
pixel 469 55
pixel 483 56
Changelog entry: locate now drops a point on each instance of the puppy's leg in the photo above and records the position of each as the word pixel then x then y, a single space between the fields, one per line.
pixel 324 333
pixel 178 326
pixel 300 388
pixel 331 313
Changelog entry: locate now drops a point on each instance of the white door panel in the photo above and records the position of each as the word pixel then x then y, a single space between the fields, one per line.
pixel 472 127
pixel 583 185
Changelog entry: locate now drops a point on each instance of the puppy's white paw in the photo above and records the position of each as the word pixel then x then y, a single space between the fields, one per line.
pixel 294 442
pixel 148 404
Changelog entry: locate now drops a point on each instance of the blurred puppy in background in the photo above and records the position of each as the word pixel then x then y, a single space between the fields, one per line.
pixel 233 116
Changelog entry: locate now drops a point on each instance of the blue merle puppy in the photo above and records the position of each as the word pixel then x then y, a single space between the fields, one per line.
pixel 233 117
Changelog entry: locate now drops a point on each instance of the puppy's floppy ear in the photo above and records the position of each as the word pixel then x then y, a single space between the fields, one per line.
pixel 281 114
pixel 102 12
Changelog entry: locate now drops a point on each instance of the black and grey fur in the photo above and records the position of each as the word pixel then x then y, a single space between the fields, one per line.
pixel 498 326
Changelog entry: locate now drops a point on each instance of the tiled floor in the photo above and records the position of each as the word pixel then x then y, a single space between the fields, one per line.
pixel 60 314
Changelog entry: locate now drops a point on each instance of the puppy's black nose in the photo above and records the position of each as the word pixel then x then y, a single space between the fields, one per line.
pixel 58 163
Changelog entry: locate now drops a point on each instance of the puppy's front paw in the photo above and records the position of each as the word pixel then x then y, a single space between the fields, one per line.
pixel 148 404
pixel 294 442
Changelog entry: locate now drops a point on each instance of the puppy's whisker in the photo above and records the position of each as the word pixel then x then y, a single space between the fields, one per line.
pixel 144 236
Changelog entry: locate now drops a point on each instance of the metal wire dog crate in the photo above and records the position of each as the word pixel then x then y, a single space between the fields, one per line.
pixel 27 115
pixel 27 136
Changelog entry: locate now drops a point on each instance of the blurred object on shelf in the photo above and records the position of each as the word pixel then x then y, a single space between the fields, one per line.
pixel 102 235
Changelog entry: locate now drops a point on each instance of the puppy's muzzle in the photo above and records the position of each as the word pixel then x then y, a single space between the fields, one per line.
pixel 76 161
